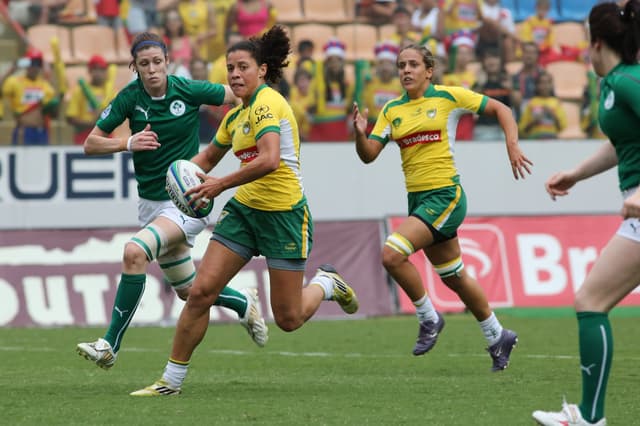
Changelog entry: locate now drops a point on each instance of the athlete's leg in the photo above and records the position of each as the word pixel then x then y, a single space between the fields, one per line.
pixel 413 234
pixel 613 276
pixel 447 261
pixel 219 265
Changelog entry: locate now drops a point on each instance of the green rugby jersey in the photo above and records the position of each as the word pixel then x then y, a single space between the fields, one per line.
pixel 619 117
pixel 174 118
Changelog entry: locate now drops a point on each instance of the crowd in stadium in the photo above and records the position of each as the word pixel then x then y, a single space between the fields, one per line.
pixel 533 61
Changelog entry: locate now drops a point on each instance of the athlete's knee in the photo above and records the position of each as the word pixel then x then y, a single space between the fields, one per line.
pixel 200 299
pixel 585 302
pixel 396 250
pixel 134 257
pixel 183 293
pixel 453 274
pixel 288 320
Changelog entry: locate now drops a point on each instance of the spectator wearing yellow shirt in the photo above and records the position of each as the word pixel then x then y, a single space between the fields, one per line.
pixel 404 33
pixel 301 99
pixel 539 29
pixel 199 18
pixel 461 15
pixel 384 85
pixel 462 53
pixel 32 100
pixel 543 117
pixel 333 95
pixel 89 99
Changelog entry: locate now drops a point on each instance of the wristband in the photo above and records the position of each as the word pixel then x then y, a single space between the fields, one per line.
pixel 129 143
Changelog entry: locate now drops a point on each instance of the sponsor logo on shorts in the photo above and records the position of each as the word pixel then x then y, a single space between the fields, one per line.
pixel 291 247
pixel 420 138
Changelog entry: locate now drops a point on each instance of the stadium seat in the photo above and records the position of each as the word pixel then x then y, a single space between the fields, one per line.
pixel 569 79
pixel 40 37
pixel 73 73
pixel 569 33
pixel 317 33
pixel 360 40
pixel 573 129
pixel 325 11
pixel 123 76
pixel 575 10
pixel 89 40
pixel 289 11
pixel 123 47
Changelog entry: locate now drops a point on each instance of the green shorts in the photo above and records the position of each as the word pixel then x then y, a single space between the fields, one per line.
pixel 442 210
pixel 273 234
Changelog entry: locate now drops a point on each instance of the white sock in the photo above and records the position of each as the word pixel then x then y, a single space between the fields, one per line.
pixel 326 283
pixel 175 373
pixel 492 329
pixel 425 310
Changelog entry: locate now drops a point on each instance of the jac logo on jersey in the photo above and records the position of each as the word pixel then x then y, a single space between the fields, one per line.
pixel 420 138
pixel 485 257
pixel 247 155
pixel 262 112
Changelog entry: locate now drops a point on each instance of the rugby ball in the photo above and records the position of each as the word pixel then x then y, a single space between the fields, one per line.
pixel 181 176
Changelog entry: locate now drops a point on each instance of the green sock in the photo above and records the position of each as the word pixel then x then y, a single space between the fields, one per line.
pixel 596 352
pixel 128 296
pixel 232 299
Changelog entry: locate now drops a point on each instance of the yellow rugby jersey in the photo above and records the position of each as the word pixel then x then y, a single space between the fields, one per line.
pixel 24 94
pixel 79 107
pixel 425 131
pixel 461 15
pixel 241 128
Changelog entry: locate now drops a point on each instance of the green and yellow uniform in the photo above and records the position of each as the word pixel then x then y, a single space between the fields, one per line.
pixel 425 131
pixel 269 214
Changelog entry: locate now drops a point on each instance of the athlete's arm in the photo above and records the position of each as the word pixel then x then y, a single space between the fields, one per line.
pixel 519 162
pixel 267 161
pixel 367 149
pixel 229 97
pixel 98 142
pixel 602 160
pixel 209 157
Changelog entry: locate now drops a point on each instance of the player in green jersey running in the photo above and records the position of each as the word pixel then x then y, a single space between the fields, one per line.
pixel 614 47
pixel 163 117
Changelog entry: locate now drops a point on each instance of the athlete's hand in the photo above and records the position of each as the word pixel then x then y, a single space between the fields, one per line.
pixel 519 162
pixel 144 140
pixel 631 206
pixel 559 184
pixel 359 120
pixel 210 188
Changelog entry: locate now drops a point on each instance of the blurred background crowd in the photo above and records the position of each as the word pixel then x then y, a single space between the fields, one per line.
pixel 62 61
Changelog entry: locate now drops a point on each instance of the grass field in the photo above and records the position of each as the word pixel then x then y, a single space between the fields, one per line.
pixel 328 373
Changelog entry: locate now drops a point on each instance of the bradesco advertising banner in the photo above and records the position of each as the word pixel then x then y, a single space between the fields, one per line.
pixel 69 277
pixel 522 261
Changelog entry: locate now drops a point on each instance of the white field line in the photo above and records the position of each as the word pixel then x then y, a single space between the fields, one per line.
pixel 311 354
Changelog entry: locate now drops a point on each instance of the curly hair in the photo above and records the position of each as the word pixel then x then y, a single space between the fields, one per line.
pixel 272 48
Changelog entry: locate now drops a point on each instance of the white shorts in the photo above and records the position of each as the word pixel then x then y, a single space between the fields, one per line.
pixel 149 210
pixel 630 228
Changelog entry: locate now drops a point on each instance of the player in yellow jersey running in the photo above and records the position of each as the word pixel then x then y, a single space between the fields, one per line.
pixel 268 215
pixel 422 122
